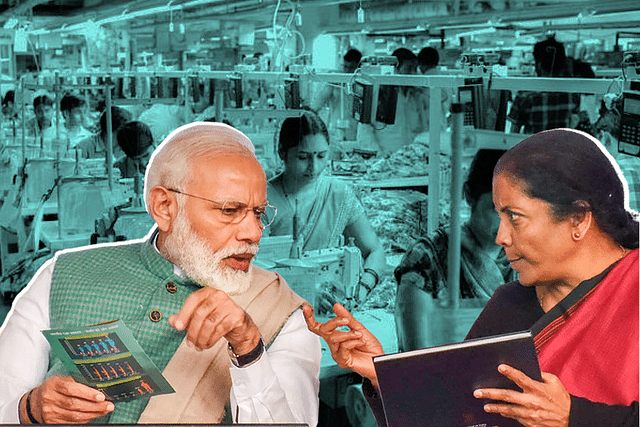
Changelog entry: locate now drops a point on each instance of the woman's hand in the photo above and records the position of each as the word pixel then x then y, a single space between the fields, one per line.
pixel 353 349
pixel 540 404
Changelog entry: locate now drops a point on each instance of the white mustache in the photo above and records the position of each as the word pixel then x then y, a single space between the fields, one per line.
pixel 250 248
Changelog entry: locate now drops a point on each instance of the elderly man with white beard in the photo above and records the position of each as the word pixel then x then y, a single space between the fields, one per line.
pixel 228 336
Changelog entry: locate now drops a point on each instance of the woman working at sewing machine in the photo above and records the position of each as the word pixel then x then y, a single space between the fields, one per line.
pixel 422 273
pixel 320 212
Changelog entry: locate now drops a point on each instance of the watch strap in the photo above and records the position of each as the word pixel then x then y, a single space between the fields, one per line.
pixel 245 360
pixel 32 419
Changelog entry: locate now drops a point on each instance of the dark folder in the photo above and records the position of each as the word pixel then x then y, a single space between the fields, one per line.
pixel 434 386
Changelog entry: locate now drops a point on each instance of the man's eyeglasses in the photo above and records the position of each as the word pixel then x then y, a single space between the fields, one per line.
pixel 230 212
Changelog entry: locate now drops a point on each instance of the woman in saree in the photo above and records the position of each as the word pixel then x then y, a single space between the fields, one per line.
pixel 422 273
pixel 567 230
pixel 319 211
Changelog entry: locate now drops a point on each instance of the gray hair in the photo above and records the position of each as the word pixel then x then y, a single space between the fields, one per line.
pixel 169 165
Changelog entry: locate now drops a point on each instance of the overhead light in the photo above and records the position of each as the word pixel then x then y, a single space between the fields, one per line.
pixel 11 23
pixel 477 32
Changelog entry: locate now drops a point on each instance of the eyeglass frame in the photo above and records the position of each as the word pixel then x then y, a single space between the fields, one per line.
pixel 223 204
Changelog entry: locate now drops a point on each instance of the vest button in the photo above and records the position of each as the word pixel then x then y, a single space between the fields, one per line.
pixel 155 315
pixel 172 288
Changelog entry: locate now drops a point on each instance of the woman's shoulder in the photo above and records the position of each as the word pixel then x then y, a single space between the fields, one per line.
pixel 514 292
pixel 425 254
pixel 512 307
pixel 335 184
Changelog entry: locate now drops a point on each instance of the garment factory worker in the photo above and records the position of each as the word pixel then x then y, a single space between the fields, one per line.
pixel 319 211
pixel 533 112
pixel 43 124
pixel 136 140
pixel 575 247
pixel 9 108
pixel 428 61
pixel 74 112
pixel 335 104
pixel 411 111
pixel 96 147
pixel 229 337
pixel 422 273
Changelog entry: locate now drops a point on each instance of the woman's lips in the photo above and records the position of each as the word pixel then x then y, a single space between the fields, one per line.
pixel 512 261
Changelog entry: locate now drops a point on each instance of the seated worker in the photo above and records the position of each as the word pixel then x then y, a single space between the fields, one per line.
pixel 575 247
pixel 411 111
pixel 12 111
pixel 319 211
pixel 136 141
pixel 533 112
pixel 428 61
pixel 74 110
pixel 422 273
pixel 96 147
pixel 230 337
pixel 42 126
pixel 9 108
pixel 338 103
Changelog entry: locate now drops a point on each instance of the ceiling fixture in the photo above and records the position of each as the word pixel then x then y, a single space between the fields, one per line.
pixel 360 14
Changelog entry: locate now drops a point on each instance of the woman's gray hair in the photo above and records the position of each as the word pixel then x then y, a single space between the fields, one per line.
pixel 170 163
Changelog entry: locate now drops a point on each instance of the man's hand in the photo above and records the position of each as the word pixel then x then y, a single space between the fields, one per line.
pixel 540 404
pixel 208 315
pixel 354 349
pixel 61 400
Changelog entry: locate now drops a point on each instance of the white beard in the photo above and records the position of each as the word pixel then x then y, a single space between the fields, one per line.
pixel 191 253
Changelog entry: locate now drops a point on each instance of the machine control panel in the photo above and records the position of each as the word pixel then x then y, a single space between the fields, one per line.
pixel 629 137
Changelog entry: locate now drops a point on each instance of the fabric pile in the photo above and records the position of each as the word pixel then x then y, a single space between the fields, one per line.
pixel 397 216
pixel 411 160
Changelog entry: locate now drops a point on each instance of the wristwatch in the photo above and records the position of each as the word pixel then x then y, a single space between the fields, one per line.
pixel 246 359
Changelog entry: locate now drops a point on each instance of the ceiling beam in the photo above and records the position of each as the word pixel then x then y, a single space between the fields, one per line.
pixel 471 20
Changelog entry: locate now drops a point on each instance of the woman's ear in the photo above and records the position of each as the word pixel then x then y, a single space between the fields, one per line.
pixel 163 207
pixel 581 220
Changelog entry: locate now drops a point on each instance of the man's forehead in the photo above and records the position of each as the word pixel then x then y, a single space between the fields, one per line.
pixel 230 175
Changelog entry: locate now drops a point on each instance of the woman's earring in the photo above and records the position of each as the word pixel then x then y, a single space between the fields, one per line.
pixel 576 235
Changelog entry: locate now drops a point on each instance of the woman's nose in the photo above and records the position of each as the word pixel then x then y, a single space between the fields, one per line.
pixel 313 166
pixel 503 238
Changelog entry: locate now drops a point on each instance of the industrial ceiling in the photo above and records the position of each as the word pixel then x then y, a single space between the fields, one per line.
pixel 446 17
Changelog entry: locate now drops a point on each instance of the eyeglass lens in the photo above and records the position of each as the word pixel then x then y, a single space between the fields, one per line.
pixel 234 212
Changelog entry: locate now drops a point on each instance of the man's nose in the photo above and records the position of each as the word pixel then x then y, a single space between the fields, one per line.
pixel 250 228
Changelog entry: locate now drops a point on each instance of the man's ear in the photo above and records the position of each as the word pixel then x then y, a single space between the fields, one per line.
pixel 163 207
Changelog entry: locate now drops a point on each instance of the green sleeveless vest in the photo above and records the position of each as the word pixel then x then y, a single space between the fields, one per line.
pixel 126 282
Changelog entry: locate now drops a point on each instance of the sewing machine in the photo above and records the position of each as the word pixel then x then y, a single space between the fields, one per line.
pixel 334 269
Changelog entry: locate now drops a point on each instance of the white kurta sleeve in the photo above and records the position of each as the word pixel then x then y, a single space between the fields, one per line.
pixel 283 385
pixel 24 351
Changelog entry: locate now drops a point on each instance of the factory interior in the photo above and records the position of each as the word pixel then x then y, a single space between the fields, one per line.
pixel 76 75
